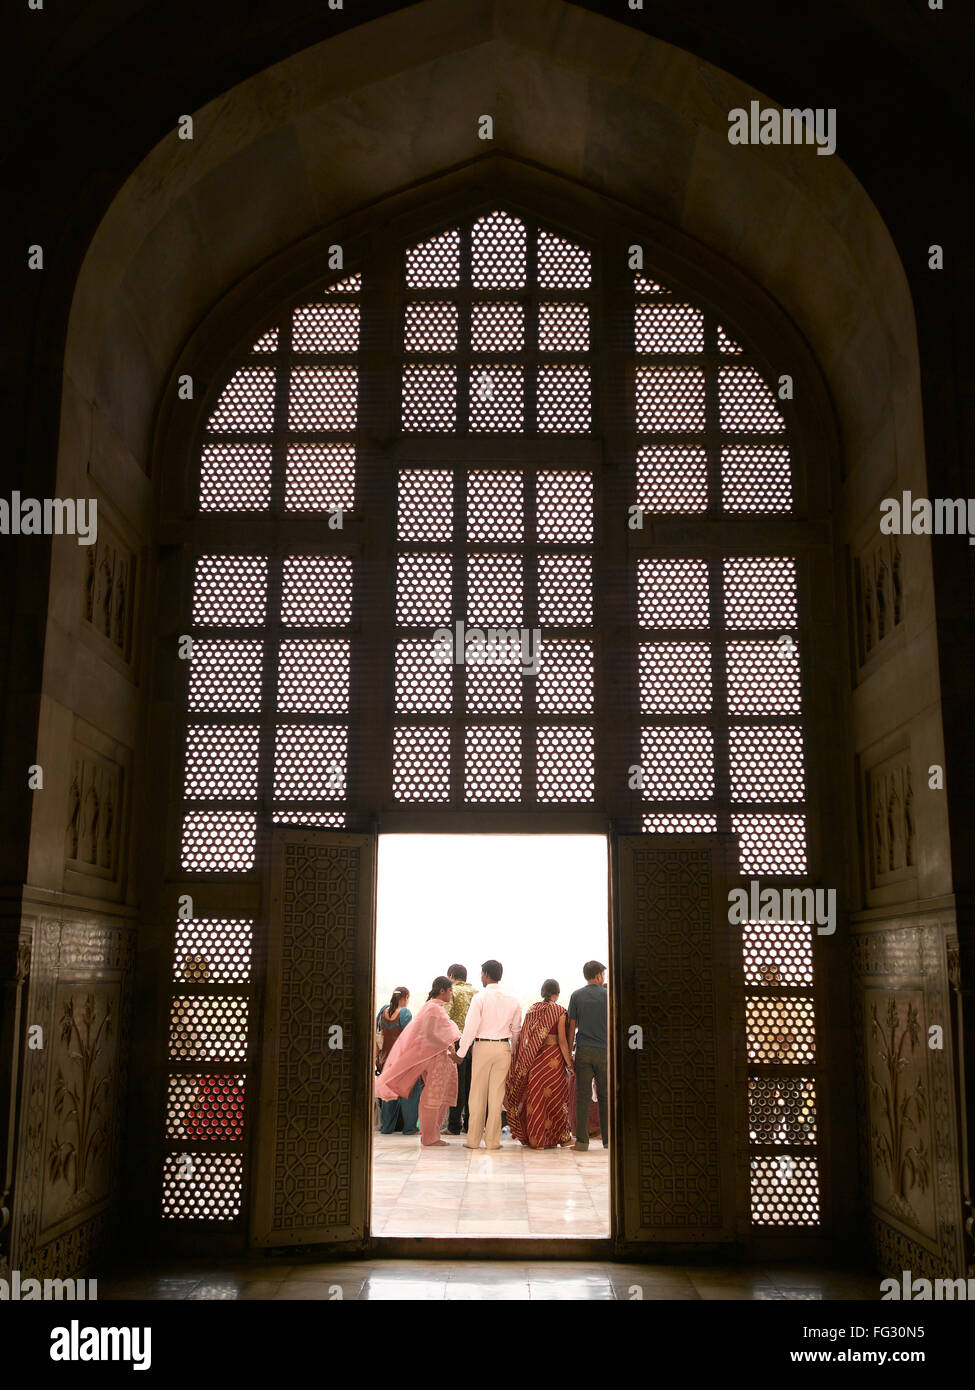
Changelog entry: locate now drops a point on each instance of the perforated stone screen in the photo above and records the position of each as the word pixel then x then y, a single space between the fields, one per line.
pixel 462 591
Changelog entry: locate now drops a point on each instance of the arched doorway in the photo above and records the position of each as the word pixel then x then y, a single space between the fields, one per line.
pixel 510 430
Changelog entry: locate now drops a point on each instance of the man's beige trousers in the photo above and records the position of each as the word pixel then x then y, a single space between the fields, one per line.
pixel 489 1071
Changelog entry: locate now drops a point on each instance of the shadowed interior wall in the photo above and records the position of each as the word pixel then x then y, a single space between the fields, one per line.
pixel 319 136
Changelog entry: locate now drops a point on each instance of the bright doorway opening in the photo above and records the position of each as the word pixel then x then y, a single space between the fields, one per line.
pixel 539 905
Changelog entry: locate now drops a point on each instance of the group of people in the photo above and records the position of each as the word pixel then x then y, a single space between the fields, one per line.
pixel 469 1058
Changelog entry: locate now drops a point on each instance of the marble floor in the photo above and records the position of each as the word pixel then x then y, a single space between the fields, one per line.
pixel 511 1191
pixel 468 1280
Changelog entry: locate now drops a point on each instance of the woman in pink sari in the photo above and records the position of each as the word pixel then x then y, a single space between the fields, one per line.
pixel 425 1048
pixel 537 1090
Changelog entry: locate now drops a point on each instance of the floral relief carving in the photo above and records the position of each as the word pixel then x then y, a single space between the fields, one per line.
pixel 897 1088
pixel 82 1096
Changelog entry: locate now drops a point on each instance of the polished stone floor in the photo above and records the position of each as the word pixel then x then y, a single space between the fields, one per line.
pixel 511 1191
pixel 450 1280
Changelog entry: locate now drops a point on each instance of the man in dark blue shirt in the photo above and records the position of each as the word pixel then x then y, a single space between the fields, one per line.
pixel 588 1025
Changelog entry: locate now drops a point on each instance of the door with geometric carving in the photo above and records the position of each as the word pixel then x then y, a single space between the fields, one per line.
pixel 678 1042
pixel 313 1133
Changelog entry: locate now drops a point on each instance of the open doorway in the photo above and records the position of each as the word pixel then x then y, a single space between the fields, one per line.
pixel 538 904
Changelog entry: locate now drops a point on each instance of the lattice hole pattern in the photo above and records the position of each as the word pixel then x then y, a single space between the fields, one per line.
pixel 319 478
pixel 435 264
pixel 565 683
pixel 565 590
pixel 642 284
pixel 221 762
pixel 668 328
pixel 771 844
pixel 763 677
pixel 208 1108
pixel 310 761
pixel 561 264
pixel 495 510
pixel 675 678
pixel 563 328
pixel 225 676
pixel 673 593
pixel 678 763
pixel 316 591
pixel 564 509
pixel 210 1191
pixel 672 480
pixel 494 590
pixel 246 403
pixel 352 284
pixel 425 505
pixel 313 677
pixel 497 328
pixel 230 591
pixel 424 680
pixel 332 328
pixel 564 400
pixel 213 949
pixel 235 477
pixel 430 328
pixel 323 399
pixel 747 402
pixel 492 765
pixel 756 480
pixel 785 1191
pixel 498 252
pixel 218 841
pixel 208 1028
pixel 331 820
pixel 494 681
pixel 670 823
pixel 421 764
pixel 497 395
pixel 669 398
pixel 780 1029
pixel 429 399
pixel 782 1110
pixel 565 762
pixel 760 593
pixel 766 764
pixel 779 953
pixel 423 590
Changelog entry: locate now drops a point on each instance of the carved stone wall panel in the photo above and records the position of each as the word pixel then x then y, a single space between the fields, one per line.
pixel 906 1110
pixel 64 1207
pixel 311 1180
pixel 679 980
pixel 878 581
pixel 94 819
pixel 109 590
pixel 889 814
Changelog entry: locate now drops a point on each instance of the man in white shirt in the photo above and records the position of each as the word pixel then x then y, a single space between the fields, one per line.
pixel 493 1023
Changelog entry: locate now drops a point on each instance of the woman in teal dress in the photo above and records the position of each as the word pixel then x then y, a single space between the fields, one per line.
pixel 390 1022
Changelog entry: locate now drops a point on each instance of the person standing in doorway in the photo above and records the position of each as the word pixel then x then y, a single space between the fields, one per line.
pixel 425 1050
pixel 589 1027
pixel 492 1027
pixel 391 1021
pixel 457 1120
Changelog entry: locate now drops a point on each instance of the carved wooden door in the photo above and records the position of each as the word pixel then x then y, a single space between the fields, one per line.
pixel 678 1042
pixel 313 1132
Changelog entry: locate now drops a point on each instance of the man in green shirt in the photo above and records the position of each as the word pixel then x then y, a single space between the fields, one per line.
pixel 457 1009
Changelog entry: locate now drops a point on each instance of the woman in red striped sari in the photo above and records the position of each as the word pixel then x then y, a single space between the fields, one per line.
pixel 537 1090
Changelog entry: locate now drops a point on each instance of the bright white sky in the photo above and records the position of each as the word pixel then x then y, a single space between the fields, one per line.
pixel 536 903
